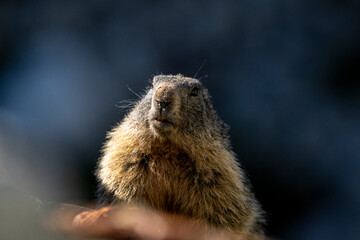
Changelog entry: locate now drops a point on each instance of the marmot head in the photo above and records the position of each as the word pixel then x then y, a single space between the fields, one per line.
pixel 180 106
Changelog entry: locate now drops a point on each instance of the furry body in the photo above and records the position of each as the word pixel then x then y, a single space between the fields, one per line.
pixel 172 153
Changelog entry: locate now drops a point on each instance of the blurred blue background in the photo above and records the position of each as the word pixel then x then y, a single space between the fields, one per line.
pixel 285 75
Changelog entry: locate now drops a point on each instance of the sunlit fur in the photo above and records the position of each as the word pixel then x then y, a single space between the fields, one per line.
pixel 189 171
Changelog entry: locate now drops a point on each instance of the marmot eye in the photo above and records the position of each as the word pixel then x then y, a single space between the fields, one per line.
pixel 151 86
pixel 194 92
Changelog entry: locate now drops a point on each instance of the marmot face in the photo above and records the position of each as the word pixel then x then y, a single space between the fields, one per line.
pixel 177 102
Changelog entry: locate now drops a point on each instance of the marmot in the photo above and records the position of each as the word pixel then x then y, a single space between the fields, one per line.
pixel 172 153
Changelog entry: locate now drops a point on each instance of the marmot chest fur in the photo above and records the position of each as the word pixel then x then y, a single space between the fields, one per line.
pixel 172 153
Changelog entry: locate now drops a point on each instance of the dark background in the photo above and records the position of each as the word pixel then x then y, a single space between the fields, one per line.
pixel 283 74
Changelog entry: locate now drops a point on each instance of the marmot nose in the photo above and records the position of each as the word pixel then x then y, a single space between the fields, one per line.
pixel 164 96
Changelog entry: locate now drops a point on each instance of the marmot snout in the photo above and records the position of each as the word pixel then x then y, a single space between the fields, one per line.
pixel 167 100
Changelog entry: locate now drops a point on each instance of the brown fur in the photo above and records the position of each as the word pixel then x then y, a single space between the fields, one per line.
pixel 172 153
